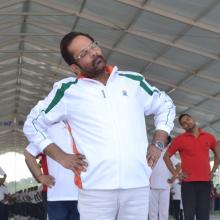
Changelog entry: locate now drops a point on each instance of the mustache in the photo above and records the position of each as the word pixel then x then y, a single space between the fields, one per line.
pixel 96 58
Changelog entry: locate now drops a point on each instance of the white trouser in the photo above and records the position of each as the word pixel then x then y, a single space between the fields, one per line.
pixel 119 204
pixel 159 204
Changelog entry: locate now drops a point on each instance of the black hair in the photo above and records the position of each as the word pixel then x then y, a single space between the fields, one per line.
pixel 182 115
pixel 66 41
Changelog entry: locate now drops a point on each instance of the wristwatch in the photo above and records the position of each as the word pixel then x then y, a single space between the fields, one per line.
pixel 159 144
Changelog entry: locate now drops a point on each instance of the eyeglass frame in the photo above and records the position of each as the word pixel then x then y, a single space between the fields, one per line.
pixel 93 45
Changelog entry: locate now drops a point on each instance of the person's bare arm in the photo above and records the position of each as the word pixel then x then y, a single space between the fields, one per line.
pixel 174 177
pixel 169 164
pixel 216 159
pixel 36 170
pixel 215 166
pixel 32 164
pixel 175 172
pixel 217 151
pixel 74 162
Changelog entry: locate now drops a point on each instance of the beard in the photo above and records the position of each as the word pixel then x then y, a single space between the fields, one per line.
pixel 96 68
pixel 191 127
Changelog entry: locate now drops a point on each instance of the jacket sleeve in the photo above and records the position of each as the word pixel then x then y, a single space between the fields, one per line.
pixel 159 104
pixel 47 112
pixel 33 150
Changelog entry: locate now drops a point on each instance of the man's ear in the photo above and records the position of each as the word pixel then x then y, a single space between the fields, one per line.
pixel 76 69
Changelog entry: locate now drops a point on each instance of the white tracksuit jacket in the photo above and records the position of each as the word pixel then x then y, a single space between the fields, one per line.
pixel 108 125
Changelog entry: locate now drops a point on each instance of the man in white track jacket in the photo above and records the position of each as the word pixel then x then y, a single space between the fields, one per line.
pixel 105 109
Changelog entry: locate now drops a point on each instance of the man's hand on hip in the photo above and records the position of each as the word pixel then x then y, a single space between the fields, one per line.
pixel 75 162
pixel 183 175
pixel 153 154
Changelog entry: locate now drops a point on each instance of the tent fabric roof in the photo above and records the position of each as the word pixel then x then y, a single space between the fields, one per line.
pixel 173 43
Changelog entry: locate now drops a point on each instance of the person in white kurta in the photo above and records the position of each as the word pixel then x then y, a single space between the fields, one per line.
pixel 160 189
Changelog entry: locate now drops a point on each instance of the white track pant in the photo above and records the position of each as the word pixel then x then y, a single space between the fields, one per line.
pixel 119 204
pixel 159 204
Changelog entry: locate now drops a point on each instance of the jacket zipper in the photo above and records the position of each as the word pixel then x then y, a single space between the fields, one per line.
pixel 103 93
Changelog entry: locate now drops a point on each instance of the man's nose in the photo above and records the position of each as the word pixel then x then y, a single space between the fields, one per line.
pixel 93 52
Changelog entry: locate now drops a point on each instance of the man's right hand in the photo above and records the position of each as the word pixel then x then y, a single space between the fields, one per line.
pixel 46 180
pixel 75 162
pixel 183 175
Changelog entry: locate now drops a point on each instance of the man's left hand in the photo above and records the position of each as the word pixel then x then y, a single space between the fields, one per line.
pixel 153 154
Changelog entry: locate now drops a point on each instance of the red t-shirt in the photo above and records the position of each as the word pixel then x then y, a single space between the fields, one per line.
pixel 194 154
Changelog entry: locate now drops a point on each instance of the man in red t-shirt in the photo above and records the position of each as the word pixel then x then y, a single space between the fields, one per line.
pixel 193 147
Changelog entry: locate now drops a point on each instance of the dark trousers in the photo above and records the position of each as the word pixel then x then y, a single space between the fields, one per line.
pixel 62 210
pixel 178 213
pixel 196 200
pixel 44 203
pixel 217 204
pixel 3 211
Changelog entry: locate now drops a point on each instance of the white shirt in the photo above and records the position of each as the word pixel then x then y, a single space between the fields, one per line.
pixel 108 125
pixel 176 190
pixel 64 188
pixel 3 191
pixel 160 173
pixel 218 189
pixel 2 172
